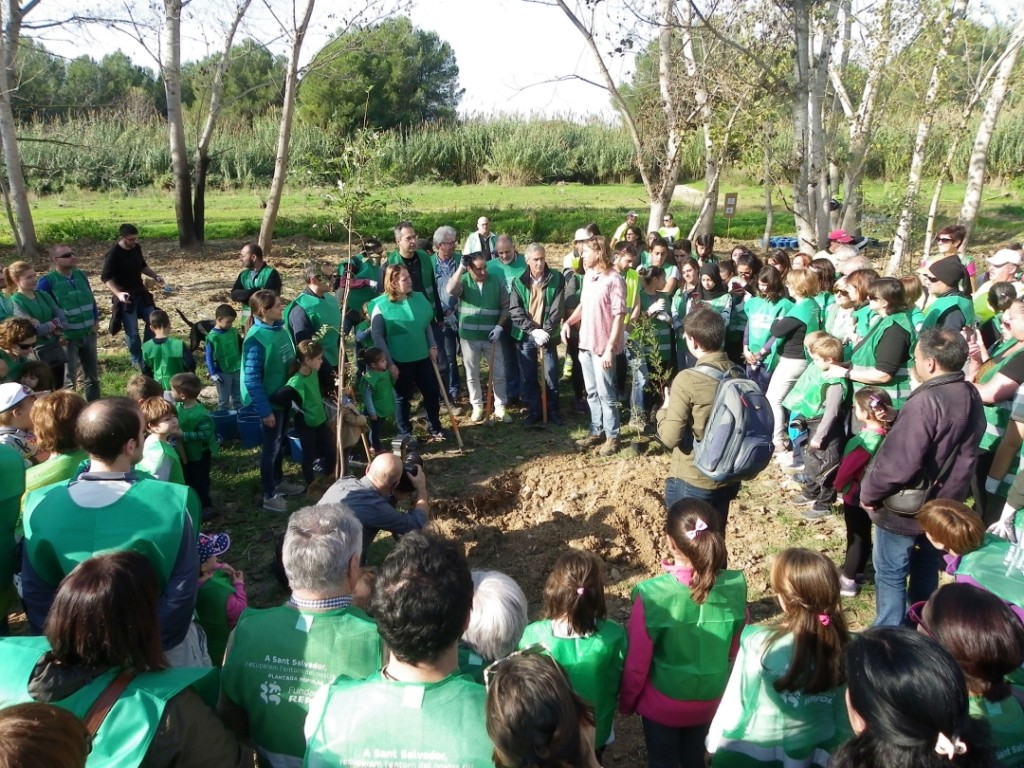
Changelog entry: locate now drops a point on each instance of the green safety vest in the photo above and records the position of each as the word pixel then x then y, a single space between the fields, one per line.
pixel 56 469
pixel 761 313
pixel 6 306
pixel 157 453
pixel 128 729
pixel 149 519
pixel 997 415
pixel 165 359
pixel 357 297
pixel 692 642
pixel 325 317
pixel 863 317
pixel 807 397
pixel 1006 721
pixel 193 420
pixel 808 312
pixel 12 470
pixel 383 390
pixel 867 439
pixel 552 292
pixel 472 664
pixel 308 387
pixel 406 322
pixel 982 311
pixel 935 311
pixel 632 278
pixel 278 353
pixel 985 566
pixel 384 723
pixel 227 349
pixel 14 365
pixel 42 308
pixel 662 331
pixel 864 356
pixel 280 657
pixel 594 665
pixel 479 307
pixel 253 281
pixel 75 297
pixel 212 613
pixel 426 273
pixel 737 317
pixel 507 272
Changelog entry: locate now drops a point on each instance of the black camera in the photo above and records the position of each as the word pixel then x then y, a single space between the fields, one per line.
pixel 468 259
pixel 412 463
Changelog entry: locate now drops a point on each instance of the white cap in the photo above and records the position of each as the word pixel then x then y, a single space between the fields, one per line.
pixel 11 394
pixel 1004 256
pixel 583 234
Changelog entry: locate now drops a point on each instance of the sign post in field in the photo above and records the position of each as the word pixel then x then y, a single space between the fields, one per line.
pixel 730 209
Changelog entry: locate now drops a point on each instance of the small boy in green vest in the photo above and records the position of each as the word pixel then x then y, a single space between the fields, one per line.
pixel 163 356
pixel 159 458
pixel 303 395
pixel 198 437
pixel 224 358
pixel 221 597
pixel 378 392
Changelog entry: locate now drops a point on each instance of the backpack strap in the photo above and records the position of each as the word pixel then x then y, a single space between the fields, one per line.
pixel 733 372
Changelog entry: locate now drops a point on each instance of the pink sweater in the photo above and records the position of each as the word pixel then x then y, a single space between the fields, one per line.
pixel 603 299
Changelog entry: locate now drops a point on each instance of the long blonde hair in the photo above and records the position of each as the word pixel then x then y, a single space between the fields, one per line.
pixel 12 273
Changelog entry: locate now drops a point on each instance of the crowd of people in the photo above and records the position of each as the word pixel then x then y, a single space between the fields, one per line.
pixel 901 396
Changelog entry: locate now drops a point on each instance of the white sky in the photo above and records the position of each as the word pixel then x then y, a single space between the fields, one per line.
pixel 505 49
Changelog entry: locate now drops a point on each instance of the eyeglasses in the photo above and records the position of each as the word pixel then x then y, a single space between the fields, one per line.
pixel 666 220
pixel 944 239
pixel 915 613
pixel 26 345
pixel 745 274
pixel 930 279
pixel 68 255
pixel 531 650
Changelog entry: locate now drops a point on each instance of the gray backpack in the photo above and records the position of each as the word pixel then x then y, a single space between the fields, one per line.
pixel 737 442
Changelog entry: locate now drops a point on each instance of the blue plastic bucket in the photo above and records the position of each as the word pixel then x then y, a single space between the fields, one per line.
pixel 296 445
pixel 225 424
pixel 250 429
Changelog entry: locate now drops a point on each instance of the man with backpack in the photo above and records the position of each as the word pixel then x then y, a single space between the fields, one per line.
pixel 716 423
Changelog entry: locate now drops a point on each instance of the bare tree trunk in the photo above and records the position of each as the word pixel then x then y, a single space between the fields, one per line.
pixel 979 155
pixel 900 242
pixel 801 98
pixel 284 135
pixel 769 206
pixel 170 67
pixel 705 222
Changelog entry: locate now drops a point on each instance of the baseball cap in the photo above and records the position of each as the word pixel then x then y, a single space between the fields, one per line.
pixel 840 236
pixel 632 213
pixel 583 234
pixel 211 544
pixel 1004 256
pixel 13 393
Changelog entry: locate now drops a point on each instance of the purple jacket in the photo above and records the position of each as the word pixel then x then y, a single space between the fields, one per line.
pixel 942 416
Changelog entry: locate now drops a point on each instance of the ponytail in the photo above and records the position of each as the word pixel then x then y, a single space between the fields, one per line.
pixel 696 530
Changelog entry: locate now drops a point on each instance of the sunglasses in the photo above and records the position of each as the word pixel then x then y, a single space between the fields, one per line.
pixel 68 255
pixel 944 239
pixel 930 279
pixel 26 346
pixel 914 614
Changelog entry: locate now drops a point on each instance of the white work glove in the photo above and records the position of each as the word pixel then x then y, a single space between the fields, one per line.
pixel 991 484
pixel 663 317
pixel 452 322
pixel 216 378
pixel 1004 528
pixel 656 307
pixel 495 334
pixel 540 337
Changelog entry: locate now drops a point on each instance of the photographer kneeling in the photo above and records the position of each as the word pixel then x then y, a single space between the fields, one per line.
pixel 372 497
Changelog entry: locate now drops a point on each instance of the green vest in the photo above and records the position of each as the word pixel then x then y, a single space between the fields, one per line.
pixel 507 272
pixel 632 279
pixel 472 664
pixel 14 365
pixel 12 470
pixel 979 299
pixel 1006 721
pixel 863 317
pixel 253 281
pixel 6 306
pixel 479 307
pixel 357 297
pixel 552 293
pixel 165 359
pixel 227 350
pixel 406 324
pixel 325 317
pixel 149 519
pixel 426 273
pixel 212 613
pixel 158 455
pixel 281 656
pixel 997 415
pixel 593 664
pixel 197 419
pixel 662 330
pixel 42 308
pixel 75 297
pixel 806 310
pixel 864 356
pixel 129 727
pixel 985 566
pixel 380 722
pixel 692 642
pixel 308 387
pixel 737 318
pixel 807 397
pixel 938 309
pixel 56 469
pixel 278 353
pixel 383 390
pixel 761 313
pixel 867 439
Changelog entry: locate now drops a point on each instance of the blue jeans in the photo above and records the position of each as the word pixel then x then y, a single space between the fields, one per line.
pixel 719 498
pixel 229 394
pixel 600 384
pixel 513 375
pixel 669 747
pixel 897 557
pixel 275 440
pixel 131 332
pixel 447 345
pixel 531 379
pixel 82 354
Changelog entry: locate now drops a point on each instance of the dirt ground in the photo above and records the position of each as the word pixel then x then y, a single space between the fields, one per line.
pixel 515 514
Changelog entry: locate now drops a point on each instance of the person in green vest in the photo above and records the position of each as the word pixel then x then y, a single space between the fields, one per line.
pixel 576 633
pixel 536 309
pixel 1003 266
pixel 418 264
pixel 160 459
pixel 222 596
pixel 12 467
pixel 198 437
pixel 948 306
pixel 760 348
pixel 70 289
pixel 378 394
pixel 651 342
pixel 620 231
pixel 661 257
pixel 358 276
pixel 224 358
pixel 509 265
pixel 315 314
pixel 267 352
pixel 40 309
pixel 913 288
pixel 683 630
pixel 418 702
pixel 483 314
pixel 446 260
pixel 623 258
pixel 103 635
pixel 6 305
pixel 164 355
pixel 785 702
pixel 17 340
pixel 279 657
pixel 256 275
pixel 668 230
pixel 496 622
pixel 53 423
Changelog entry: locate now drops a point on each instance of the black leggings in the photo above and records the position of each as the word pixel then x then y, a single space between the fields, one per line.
pixel 858 540
pixel 419 374
pixel 317 443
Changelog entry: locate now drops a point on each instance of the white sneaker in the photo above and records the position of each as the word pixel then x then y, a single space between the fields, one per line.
pixel 501 415
pixel 478 415
pixel 275 503
pixel 285 488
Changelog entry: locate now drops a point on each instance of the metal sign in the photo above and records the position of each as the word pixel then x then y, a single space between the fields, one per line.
pixel 730 204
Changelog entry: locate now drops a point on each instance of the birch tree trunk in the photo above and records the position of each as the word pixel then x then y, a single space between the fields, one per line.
pixel 979 155
pixel 170 67
pixel 799 106
pixel 284 134
pixel 705 222
pixel 901 240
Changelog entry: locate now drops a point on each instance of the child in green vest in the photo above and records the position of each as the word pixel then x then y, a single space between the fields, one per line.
pixel 159 458
pixel 870 405
pixel 198 437
pixel 302 393
pixel 163 356
pixel 224 358
pixel 784 704
pixel 683 630
pixel 221 597
pixel 378 392
pixel 16 402
pixel 576 633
